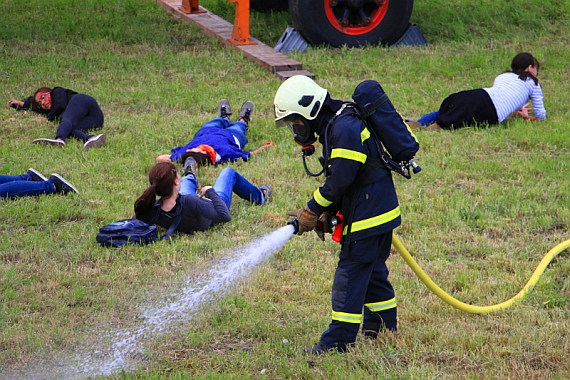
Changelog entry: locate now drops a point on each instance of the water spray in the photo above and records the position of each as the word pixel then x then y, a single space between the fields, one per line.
pixel 122 348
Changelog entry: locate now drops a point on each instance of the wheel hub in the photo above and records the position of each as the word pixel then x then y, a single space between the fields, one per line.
pixel 355 17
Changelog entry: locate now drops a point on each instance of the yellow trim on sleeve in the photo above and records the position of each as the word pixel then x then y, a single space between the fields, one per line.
pixel 348 154
pixel 320 199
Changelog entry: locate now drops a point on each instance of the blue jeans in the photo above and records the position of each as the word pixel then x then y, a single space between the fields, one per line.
pixel 228 182
pixel 188 185
pixel 81 114
pixel 429 118
pixel 12 186
pixel 237 129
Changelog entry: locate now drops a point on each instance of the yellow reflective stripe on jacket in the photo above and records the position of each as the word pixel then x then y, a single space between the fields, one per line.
pixel 383 305
pixel 374 221
pixel 320 199
pixel 409 129
pixel 364 135
pixel 348 154
pixel 346 317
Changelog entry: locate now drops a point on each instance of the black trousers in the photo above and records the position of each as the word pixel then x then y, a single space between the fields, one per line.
pixel 81 114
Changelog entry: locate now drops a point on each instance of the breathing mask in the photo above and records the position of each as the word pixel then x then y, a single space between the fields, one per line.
pixel 301 128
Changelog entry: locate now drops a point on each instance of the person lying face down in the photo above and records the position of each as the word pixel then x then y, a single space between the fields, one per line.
pixel 511 94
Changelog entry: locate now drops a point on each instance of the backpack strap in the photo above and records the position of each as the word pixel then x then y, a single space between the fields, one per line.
pixel 369 108
pixel 172 227
pixel 174 224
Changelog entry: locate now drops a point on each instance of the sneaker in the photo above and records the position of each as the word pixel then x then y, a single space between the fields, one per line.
pixel 36 175
pixel 94 141
pixel 190 166
pixel 57 142
pixel 224 109
pixel 266 191
pixel 61 185
pixel 245 111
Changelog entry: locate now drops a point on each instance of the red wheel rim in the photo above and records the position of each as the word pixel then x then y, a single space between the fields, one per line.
pixel 355 19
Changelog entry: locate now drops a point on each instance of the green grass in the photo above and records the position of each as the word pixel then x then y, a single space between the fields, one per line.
pixel 489 203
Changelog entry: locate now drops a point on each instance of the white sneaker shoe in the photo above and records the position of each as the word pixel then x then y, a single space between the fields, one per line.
pixel 94 142
pixel 57 142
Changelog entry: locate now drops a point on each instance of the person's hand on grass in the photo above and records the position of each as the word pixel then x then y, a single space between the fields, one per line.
pixel 17 102
pixel 524 112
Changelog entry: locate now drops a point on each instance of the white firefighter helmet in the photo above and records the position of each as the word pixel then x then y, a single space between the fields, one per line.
pixel 298 95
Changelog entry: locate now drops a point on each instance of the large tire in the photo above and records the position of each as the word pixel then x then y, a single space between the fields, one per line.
pixel 351 22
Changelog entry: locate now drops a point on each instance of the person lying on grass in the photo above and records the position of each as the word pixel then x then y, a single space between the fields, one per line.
pixel 77 114
pixel 33 183
pixel 200 211
pixel 508 96
pixel 219 140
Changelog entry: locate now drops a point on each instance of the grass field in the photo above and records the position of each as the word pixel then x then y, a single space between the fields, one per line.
pixel 488 204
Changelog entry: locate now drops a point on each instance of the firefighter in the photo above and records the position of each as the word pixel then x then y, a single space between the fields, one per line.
pixel 361 188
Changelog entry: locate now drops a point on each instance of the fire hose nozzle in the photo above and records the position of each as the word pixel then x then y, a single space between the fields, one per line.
pixel 415 167
pixel 295 223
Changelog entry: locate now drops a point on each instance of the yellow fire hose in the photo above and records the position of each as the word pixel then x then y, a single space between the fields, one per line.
pixel 473 308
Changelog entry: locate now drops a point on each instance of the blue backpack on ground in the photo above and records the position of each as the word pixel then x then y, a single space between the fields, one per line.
pixel 134 231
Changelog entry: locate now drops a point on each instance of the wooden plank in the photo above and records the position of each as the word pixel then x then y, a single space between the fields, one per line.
pixel 287 74
pixel 217 27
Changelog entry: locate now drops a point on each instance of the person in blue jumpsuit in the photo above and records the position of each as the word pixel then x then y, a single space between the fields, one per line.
pixel 219 140
pixel 360 188
pixel 77 114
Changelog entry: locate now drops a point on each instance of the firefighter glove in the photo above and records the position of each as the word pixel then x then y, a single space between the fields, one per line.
pixel 324 225
pixel 307 219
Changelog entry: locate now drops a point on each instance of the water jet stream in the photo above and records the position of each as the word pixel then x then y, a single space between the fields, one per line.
pixel 123 349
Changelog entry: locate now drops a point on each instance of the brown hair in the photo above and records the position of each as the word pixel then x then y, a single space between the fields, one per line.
pixel 161 177
pixel 519 64
pixel 40 90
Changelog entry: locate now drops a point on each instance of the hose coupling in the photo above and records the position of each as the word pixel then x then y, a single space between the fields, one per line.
pixel 295 223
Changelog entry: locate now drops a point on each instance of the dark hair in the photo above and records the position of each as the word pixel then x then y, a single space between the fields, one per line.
pixel 519 64
pixel 161 177
pixel 39 90
pixel 202 159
